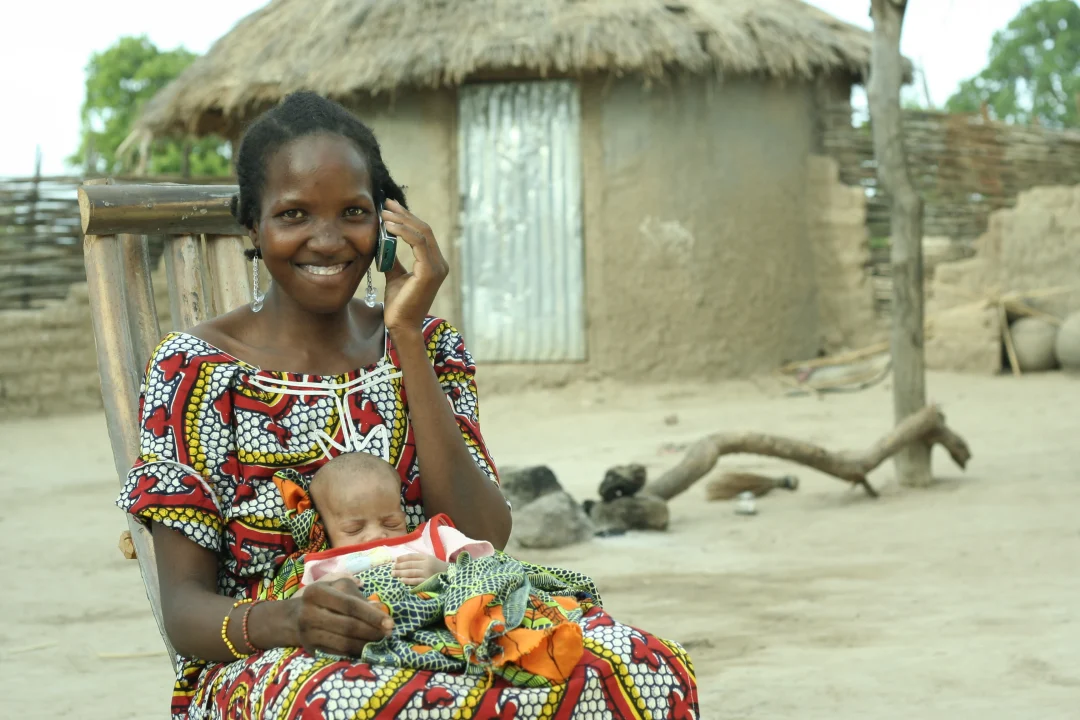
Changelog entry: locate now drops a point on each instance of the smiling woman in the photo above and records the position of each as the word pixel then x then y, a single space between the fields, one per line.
pixel 287 386
pixel 315 237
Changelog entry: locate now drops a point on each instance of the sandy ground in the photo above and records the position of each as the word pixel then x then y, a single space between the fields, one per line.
pixel 962 601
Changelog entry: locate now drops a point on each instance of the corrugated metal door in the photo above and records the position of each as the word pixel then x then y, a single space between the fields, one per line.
pixel 521 246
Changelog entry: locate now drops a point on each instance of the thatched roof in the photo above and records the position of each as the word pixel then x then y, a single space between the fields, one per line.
pixel 344 47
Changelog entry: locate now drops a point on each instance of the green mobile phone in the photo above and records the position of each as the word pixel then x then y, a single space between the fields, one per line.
pixel 385 248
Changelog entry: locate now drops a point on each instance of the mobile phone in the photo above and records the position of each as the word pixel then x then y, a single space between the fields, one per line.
pixel 385 248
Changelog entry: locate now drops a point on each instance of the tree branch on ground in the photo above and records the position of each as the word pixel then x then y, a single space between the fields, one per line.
pixel 925 427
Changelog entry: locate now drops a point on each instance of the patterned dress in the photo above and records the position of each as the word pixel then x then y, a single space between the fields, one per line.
pixel 216 429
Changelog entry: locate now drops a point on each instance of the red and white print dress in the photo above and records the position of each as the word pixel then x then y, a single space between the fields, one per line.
pixel 214 431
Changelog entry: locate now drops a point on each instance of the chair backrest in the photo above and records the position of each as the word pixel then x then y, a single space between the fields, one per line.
pixel 207 275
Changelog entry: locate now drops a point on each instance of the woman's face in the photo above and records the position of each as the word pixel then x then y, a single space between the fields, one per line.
pixel 318 223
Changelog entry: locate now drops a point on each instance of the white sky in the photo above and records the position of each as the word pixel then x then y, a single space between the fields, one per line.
pixel 46 44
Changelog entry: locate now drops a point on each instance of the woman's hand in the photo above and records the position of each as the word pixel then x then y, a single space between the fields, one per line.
pixel 335 618
pixel 415 569
pixel 409 294
pixel 331 578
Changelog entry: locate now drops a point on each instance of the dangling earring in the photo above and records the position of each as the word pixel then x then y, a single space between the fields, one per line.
pixel 257 296
pixel 369 297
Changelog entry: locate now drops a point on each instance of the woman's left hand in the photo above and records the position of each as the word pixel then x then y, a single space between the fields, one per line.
pixel 409 294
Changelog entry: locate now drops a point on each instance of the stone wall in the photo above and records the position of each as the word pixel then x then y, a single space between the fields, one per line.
pixel 1031 248
pixel 48 361
pixel 837 233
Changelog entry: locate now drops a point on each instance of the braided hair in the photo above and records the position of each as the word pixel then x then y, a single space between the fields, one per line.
pixel 301 114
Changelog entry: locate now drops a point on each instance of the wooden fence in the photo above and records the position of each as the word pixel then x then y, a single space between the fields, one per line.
pixel 40 240
pixel 41 253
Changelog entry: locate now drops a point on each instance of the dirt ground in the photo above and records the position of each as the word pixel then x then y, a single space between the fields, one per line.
pixel 962 601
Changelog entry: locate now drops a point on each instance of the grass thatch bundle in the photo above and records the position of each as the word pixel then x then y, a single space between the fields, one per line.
pixel 344 47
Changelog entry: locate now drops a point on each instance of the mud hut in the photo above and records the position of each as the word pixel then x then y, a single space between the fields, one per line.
pixel 620 184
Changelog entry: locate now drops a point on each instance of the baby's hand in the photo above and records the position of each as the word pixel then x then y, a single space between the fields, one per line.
pixel 415 569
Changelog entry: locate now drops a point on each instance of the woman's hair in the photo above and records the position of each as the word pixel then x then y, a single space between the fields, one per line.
pixel 301 114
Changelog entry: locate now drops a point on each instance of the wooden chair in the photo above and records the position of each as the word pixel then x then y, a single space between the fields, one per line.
pixel 207 275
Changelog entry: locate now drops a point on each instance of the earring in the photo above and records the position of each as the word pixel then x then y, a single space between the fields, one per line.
pixel 257 297
pixel 369 297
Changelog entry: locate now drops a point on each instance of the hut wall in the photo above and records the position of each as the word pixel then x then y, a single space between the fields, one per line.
pixel 698 260
pixel 418 136
pixel 836 223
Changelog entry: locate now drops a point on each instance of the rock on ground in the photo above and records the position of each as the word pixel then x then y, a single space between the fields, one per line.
pixel 554 520
pixel 640 512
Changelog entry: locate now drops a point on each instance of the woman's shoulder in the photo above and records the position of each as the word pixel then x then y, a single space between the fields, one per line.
pixel 194 347
pixel 437 329
pixel 443 340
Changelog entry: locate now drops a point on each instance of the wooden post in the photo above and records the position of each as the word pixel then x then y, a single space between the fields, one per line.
pixel 35 195
pixel 229 272
pixel 144 154
pixel 185 159
pixel 926 88
pixel 139 294
pixel 120 380
pixel 908 357
pixel 189 301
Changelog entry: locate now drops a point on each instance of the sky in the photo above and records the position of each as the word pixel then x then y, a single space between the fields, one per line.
pixel 53 40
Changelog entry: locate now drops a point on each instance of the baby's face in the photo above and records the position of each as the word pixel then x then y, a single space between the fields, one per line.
pixel 358 510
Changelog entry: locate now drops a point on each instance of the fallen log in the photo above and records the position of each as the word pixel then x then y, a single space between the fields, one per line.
pixel 926 426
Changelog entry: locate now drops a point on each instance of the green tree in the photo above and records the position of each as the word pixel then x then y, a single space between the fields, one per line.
pixel 119 81
pixel 1034 69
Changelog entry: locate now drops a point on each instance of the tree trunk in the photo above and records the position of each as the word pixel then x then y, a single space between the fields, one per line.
pixel 909 371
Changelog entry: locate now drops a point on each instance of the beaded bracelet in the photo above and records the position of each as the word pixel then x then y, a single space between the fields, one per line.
pixel 225 630
pixel 244 626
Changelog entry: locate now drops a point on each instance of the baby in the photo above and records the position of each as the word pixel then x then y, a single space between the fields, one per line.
pixel 358 498
pixel 484 613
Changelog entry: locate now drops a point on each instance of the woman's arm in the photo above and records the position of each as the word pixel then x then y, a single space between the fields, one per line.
pixel 452 481
pixel 183 491
pixel 193 609
pixel 333 617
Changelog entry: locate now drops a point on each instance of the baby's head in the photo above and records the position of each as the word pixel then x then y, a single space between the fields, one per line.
pixel 358 497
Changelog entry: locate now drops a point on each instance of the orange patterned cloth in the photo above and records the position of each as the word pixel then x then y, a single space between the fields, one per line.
pixel 487 614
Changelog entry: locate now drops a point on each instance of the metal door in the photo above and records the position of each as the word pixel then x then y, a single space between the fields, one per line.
pixel 521 254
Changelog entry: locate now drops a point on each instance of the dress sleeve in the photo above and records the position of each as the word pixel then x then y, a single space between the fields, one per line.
pixel 456 371
pixel 185 475
pixel 455 542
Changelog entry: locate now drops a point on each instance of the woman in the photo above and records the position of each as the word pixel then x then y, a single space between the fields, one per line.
pixel 276 385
